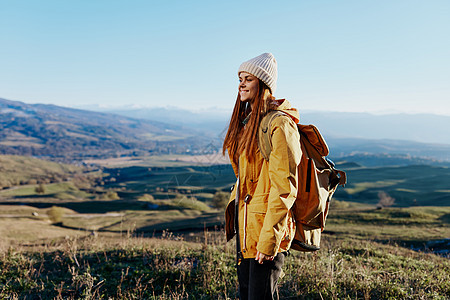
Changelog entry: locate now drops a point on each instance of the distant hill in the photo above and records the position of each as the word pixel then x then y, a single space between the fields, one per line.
pixel 423 128
pixel 398 135
pixel 66 133
pixel 212 122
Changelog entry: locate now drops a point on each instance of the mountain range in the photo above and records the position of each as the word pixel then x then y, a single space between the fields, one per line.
pixel 66 133
pixel 359 135
pixel 422 128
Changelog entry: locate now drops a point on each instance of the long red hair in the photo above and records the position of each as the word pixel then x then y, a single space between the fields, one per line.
pixel 240 137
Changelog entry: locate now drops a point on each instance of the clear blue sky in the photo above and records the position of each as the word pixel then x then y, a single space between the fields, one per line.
pixel 376 56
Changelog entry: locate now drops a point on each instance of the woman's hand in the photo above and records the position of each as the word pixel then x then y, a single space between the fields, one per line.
pixel 261 257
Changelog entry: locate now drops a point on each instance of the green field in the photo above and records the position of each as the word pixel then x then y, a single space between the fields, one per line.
pixel 150 199
pixel 416 185
pixel 153 232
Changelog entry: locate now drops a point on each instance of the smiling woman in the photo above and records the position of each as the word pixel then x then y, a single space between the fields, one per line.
pixel 258 212
pixel 248 87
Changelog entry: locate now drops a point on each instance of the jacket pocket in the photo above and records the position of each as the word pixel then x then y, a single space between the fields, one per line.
pixel 259 203
pixel 256 213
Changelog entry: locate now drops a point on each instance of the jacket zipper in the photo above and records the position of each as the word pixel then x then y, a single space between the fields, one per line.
pixel 246 200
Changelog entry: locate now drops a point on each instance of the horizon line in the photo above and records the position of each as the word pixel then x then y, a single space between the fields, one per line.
pixel 131 106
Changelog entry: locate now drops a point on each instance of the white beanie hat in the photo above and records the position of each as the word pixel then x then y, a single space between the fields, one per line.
pixel 263 67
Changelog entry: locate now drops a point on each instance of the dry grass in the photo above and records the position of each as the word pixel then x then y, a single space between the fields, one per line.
pixel 25 230
pixel 112 266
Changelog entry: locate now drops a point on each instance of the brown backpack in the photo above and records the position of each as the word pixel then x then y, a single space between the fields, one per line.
pixel 317 182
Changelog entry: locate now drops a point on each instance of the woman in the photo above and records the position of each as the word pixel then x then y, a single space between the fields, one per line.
pixel 265 189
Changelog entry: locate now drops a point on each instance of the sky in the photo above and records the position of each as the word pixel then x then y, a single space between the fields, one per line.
pixel 385 56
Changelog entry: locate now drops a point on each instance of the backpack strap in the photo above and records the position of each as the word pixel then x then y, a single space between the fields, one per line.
pixel 309 135
pixel 264 132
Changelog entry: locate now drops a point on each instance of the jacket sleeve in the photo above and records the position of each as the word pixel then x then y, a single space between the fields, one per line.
pixel 283 163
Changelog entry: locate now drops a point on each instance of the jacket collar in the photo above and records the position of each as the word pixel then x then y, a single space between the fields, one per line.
pixel 284 106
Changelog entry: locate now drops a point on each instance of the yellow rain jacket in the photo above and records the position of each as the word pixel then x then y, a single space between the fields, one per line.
pixel 270 189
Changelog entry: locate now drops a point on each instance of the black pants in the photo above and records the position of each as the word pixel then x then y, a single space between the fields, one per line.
pixel 259 281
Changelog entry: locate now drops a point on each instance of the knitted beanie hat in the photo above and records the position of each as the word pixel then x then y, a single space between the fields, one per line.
pixel 263 67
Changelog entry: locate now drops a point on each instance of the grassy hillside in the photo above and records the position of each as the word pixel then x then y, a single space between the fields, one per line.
pixel 412 185
pixel 412 227
pixel 44 183
pixel 170 267
pixel 21 170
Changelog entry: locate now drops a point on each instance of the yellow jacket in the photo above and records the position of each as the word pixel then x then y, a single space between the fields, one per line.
pixel 270 187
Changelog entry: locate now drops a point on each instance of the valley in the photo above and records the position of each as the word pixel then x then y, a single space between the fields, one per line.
pixel 146 220
pixel 157 232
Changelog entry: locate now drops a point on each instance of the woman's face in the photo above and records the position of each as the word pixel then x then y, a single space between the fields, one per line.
pixel 248 86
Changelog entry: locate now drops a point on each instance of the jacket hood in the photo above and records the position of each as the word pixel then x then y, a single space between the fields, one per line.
pixel 284 106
